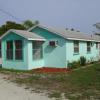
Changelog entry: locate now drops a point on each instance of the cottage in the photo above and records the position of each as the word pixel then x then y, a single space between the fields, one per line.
pixel 44 47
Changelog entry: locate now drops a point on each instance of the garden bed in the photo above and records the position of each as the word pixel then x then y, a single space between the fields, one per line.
pixel 48 70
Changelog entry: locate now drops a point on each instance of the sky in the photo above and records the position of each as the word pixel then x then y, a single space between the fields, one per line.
pixel 77 14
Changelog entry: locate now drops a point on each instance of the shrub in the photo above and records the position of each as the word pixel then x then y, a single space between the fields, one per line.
pixel 74 64
pixel 92 60
pixel 82 61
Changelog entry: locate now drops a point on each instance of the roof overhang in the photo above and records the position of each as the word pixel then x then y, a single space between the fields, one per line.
pixel 37 39
pixel 12 30
pixel 79 39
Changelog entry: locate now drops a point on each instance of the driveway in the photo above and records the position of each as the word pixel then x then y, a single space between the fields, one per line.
pixel 10 91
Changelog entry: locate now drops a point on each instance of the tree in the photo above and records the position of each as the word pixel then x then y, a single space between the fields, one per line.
pixel 28 23
pixel 13 25
pixel 10 25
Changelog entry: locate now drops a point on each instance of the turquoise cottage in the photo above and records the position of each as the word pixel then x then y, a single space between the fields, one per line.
pixel 44 47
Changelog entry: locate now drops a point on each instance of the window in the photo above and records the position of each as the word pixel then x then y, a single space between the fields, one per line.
pixel 88 47
pixel 76 46
pixel 96 45
pixel 18 50
pixel 37 50
pixel 0 50
pixel 9 50
pixel 53 43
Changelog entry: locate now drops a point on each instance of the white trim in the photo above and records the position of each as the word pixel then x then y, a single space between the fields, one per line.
pixel 32 28
pixel 97 41
pixel 37 39
pixel 79 39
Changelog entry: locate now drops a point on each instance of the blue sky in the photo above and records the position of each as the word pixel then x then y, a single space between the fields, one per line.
pixel 78 14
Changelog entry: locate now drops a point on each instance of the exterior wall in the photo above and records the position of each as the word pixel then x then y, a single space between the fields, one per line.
pixel 57 57
pixel 53 56
pixel 14 64
pixel 31 62
pixel 93 55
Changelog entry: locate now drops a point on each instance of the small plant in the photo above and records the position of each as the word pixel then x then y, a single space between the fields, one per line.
pixel 82 61
pixel 92 60
pixel 74 64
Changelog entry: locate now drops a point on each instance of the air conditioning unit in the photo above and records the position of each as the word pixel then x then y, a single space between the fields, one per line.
pixel 53 43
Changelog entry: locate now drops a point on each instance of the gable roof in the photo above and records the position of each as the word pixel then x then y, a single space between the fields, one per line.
pixel 26 34
pixel 71 35
pixel 67 34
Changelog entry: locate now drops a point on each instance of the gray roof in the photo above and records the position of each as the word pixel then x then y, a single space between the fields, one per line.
pixel 79 35
pixel 26 34
pixel 68 34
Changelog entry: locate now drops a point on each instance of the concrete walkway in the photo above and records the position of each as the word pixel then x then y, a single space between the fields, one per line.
pixel 10 91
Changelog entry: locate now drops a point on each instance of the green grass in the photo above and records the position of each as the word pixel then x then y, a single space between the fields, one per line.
pixel 55 95
pixel 77 85
pixel 15 71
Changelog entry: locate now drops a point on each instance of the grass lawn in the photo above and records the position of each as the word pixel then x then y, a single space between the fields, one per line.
pixel 82 84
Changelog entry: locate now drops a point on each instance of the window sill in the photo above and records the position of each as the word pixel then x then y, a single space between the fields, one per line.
pixel 14 60
pixel 9 60
pixel 18 60
pixel 76 54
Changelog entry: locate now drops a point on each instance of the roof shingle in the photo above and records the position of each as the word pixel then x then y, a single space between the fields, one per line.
pixel 26 34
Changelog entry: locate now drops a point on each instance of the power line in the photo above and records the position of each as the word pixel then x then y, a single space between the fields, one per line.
pixel 9 14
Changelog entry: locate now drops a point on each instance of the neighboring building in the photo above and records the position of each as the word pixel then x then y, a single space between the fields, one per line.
pixel 44 47
pixel 97 34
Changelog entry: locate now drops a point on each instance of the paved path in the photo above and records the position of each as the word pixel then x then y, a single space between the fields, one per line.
pixel 10 91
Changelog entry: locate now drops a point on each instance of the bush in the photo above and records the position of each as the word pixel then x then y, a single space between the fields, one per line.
pixel 74 64
pixel 92 60
pixel 82 61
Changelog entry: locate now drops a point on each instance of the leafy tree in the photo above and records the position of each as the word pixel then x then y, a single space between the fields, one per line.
pixel 10 25
pixel 13 25
pixel 28 23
